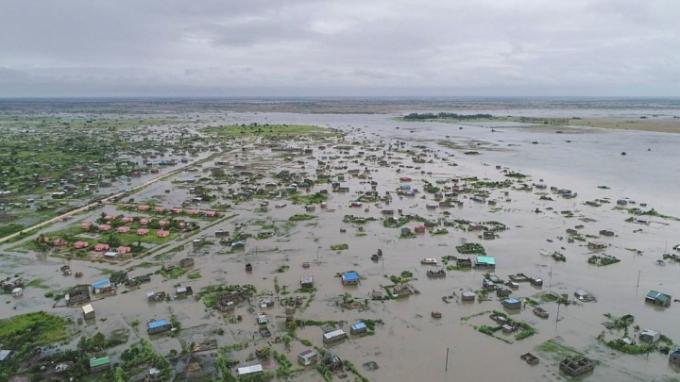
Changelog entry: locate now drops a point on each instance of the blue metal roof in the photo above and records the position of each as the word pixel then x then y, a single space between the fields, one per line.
pixel 511 300
pixel 350 276
pixel 155 324
pixel 359 325
pixel 103 283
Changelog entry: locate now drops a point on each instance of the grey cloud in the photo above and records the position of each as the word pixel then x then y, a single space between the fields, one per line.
pixel 211 47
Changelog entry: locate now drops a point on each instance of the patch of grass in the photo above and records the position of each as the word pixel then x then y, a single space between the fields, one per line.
pixel 266 130
pixel 339 247
pixel 301 217
pixel 33 329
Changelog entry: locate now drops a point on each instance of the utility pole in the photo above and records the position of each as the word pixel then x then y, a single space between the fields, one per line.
pixel 557 316
pixel 637 286
pixel 446 365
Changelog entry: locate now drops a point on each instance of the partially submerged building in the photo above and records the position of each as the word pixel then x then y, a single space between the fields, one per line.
pixel 658 298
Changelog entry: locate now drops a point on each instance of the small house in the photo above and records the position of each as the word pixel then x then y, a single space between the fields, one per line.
pixel 101 247
pixel 334 336
pixel 142 232
pixel 512 303
pixel 658 298
pixel 350 278
pixel 80 244
pixel 249 370
pixel 17 292
pixel 162 233
pixel 468 296
pixel 102 286
pixel 98 364
pixel 358 327
pixel 184 291
pixel 307 282
pixel 88 312
pixel 485 262
pixel 158 326
pixel 649 336
pixel 308 357
pixel 429 261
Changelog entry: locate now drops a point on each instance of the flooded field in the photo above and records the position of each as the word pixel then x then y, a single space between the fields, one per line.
pixel 391 250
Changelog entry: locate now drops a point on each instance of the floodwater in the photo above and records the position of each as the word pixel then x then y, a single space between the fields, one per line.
pixel 411 345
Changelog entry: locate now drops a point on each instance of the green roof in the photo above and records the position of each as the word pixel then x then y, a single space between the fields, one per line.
pixel 97 362
pixel 656 295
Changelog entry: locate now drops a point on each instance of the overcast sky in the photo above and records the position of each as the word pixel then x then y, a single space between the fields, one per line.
pixel 345 47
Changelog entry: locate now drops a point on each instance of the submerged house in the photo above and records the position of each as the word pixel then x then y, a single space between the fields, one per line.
pixel 308 357
pixel 158 326
pixel 102 286
pixel 358 327
pixel 512 303
pixel 350 278
pixel 485 262
pixel 334 336
pixel 658 298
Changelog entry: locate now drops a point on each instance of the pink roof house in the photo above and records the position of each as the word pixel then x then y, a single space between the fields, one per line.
pixel 163 222
pixel 142 232
pixel 85 225
pixel 109 217
pixel 143 221
pixel 127 219
pixel 123 250
pixel 101 247
pixel 159 210
pixel 210 213
pixel 80 244
pixel 143 207
pixel 193 212
pixel 59 243
pixel 123 229
pixel 104 227
pixel 162 233
pixel 176 211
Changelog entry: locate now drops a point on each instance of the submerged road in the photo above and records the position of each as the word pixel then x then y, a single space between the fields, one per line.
pixel 106 199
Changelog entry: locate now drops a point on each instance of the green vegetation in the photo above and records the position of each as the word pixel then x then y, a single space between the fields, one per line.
pixel 339 247
pixel 602 260
pixel 267 130
pixel 471 249
pixel 301 217
pixel 351 219
pixel 315 198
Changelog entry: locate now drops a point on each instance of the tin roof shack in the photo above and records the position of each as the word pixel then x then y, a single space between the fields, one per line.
pixel 183 292
pixel 658 298
pixel 79 294
pixel 249 370
pixel 358 328
pixel 334 336
pixel 158 326
pixel 102 287
pixel 98 364
pixel 88 312
pixel 308 357
pixel 649 336
pixel 485 262
pixel 307 282
pixel 576 366
pixel 350 278
pixel 512 303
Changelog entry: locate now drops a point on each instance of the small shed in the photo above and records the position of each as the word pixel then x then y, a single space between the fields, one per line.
pixel 88 312
pixel 512 303
pixel 649 336
pixel 334 336
pixel 358 327
pixel 249 370
pixel 158 326
pixel 99 363
pixel 308 357
pixel 485 262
